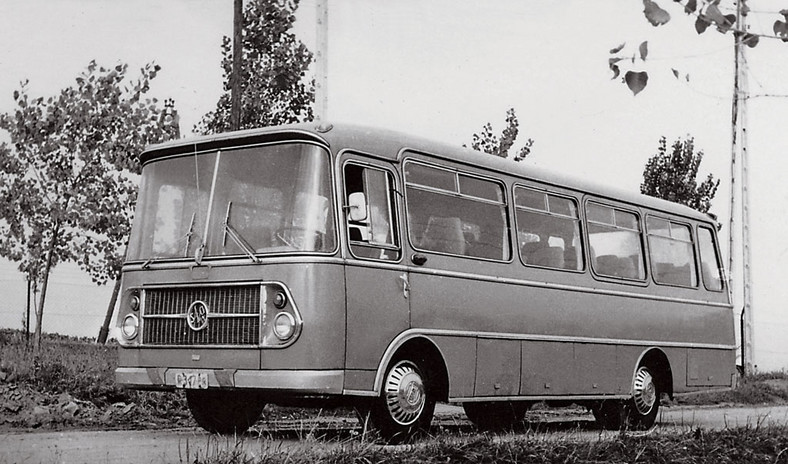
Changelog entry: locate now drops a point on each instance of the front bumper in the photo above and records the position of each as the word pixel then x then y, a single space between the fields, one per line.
pixel 321 382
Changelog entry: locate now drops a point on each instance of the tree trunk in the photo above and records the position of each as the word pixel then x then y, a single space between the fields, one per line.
pixel 47 269
pixel 104 332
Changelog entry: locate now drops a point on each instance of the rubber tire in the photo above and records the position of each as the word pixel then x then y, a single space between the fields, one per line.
pixel 226 412
pixel 637 413
pixel 496 415
pixel 641 411
pixel 380 413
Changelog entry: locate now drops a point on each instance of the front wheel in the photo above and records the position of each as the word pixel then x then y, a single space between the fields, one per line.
pixel 406 403
pixel 227 412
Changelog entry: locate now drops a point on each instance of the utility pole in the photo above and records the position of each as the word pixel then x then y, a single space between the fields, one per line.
pixel 235 91
pixel 739 151
pixel 321 61
pixel 27 311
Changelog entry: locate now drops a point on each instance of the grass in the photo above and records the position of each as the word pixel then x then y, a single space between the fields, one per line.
pixel 741 445
pixel 760 388
pixel 85 371
pixel 76 366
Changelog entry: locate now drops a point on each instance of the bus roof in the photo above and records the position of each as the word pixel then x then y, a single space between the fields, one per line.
pixel 391 144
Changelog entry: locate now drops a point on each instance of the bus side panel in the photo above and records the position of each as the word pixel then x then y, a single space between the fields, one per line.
pixel 596 369
pixel 547 368
pixel 360 380
pixel 377 311
pixel 561 368
pixel 497 367
pixel 459 354
pixel 708 368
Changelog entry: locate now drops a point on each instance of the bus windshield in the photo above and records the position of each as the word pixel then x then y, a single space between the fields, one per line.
pixel 267 199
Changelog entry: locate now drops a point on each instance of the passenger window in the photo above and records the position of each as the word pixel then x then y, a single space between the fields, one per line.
pixel 548 230
pixel 455 213
pixel 369 204
pixel 616 247
pixel 672 253
pixel 711 268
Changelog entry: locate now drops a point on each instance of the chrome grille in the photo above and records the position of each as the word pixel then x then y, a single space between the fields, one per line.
pixel 233 316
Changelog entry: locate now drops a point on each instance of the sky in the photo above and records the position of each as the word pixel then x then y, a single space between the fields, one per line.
pixel 444 68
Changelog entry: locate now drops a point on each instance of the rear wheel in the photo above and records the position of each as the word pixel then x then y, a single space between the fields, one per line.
pixel 642 409
pixel 639 412
pixel 498 415
pixel 226 412
pixel 406 403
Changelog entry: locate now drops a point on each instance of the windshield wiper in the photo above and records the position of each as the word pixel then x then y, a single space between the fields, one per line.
pixel 189 236
pixel 236 236
pixel 150 261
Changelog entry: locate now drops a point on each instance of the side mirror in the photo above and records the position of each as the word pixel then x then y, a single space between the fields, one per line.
pixel 357 206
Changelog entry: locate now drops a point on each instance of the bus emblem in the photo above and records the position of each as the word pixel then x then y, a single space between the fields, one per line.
pixel 197 316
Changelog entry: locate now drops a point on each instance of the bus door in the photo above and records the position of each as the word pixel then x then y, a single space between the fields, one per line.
pixel 376 283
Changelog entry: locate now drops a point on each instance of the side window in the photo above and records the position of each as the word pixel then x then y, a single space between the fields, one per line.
pixel 455 213
pixel 548 230
pixel 711 268
pixel 369 205
pixel 614 238
pixel 672 252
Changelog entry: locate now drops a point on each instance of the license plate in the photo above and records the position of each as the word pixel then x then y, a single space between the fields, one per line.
pixel 191 380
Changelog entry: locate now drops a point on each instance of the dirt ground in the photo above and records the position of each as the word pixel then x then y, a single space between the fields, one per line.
pixel 24 408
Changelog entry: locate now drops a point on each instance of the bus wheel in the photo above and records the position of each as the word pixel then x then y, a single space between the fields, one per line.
pixel 642 409
pixel 496 415
pixel 406 404
pixel 226 412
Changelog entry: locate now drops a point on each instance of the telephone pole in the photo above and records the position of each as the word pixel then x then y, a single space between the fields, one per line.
pixel 321 62
pixel 741 171
pixel 235 95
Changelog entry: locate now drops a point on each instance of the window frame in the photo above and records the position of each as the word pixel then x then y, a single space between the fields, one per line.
pixel 504 204
pixel 355 160
pixel 718 257
pixel 691 242
pixel 546 212
pixel 643 250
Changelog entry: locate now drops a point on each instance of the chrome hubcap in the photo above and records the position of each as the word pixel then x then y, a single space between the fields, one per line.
pixel 645 392
pixel 404 393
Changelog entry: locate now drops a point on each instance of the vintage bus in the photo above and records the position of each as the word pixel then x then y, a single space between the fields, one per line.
pixel 341 265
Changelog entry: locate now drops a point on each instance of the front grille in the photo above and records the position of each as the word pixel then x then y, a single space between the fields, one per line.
pixel 233 316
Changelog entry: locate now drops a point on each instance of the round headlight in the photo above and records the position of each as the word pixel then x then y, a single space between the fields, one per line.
pixel 134 302
pixel 130 326
pixel 284 326
pixel 280 300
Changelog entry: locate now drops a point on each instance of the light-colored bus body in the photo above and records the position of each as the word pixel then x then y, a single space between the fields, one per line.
pixel 480 317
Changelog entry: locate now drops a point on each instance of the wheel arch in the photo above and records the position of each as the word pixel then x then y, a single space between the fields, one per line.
pixel 417 347
pixel 656 359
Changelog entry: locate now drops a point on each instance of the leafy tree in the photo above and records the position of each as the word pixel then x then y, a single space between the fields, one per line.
pixel 489 143
pixel 67 179
pixel 673 176
pixel 707 13
pixel 275 63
